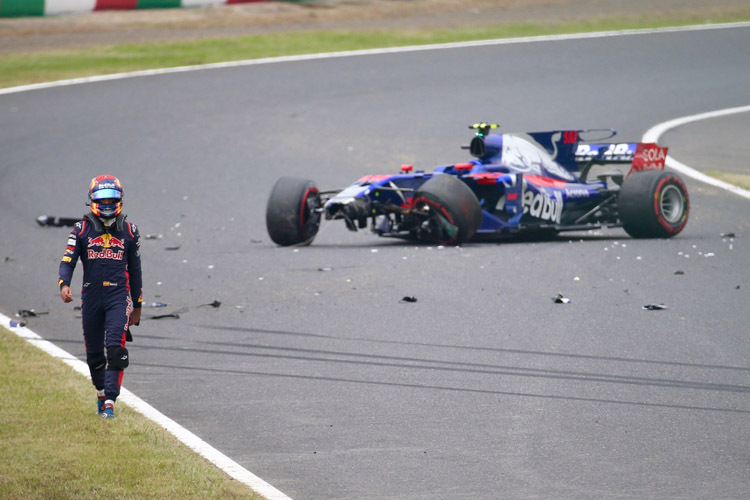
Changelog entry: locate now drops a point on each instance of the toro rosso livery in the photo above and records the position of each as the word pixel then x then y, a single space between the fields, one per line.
pixel 537 182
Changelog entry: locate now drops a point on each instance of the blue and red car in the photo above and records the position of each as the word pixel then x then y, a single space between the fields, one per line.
pixel 528 183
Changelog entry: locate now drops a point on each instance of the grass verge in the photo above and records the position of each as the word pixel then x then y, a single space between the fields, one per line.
pixel 53 445
pixel 24 69
pixel 739 180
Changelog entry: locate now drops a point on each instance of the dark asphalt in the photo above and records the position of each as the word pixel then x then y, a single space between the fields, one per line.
pixel 312 373
pixel 716 144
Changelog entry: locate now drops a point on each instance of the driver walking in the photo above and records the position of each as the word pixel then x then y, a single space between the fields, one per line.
pixel 109 249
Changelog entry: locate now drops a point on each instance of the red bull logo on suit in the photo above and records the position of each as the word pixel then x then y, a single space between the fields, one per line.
pixel 106 242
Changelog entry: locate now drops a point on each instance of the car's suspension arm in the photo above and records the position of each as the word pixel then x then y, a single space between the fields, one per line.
pixel 596 209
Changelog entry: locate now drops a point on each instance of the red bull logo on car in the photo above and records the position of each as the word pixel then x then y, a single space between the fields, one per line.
pixel 106 243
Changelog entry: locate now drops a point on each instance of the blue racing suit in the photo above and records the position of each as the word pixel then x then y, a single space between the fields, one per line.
pixel 112 287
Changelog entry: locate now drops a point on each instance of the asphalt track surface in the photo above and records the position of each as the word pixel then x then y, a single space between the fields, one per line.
pixel 312 373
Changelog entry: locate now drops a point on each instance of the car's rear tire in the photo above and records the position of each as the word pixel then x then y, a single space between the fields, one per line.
pixel 454 214
pixel 653 204
pixel 291 218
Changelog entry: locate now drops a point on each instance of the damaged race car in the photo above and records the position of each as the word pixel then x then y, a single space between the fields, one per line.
pixel 530 183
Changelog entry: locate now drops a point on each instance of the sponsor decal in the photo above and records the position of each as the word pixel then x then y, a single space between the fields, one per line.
pixel 614 152
pixel 109 283
pixel 649 157
pixel 67 259
pixel 106 241
pixel 106 253
pixel 543 206
pixel 577 193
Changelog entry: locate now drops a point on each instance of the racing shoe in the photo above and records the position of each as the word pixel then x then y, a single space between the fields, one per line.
pixel 109 409
pixel 99 405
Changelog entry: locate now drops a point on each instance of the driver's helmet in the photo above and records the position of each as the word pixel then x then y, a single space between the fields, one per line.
pixel 105 187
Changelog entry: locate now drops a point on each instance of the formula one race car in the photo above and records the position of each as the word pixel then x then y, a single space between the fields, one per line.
pixel 517 184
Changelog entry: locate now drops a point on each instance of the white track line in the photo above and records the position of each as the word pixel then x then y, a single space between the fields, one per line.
pixel 235 470
pixel 355 53
pixel 653 134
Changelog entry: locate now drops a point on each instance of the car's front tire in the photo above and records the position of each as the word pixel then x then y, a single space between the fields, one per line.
pixel 653 204
pixel 291 218
pixel 452 209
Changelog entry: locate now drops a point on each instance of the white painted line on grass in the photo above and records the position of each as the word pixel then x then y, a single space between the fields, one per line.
pixel 391 50
pixel 223 462
pixel 653 134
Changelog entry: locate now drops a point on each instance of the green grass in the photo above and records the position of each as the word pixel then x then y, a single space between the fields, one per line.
pixel 20 69
pixel 739 180
pixel 53 445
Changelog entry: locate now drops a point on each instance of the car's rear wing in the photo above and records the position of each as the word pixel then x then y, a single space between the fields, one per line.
pixel 641 156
